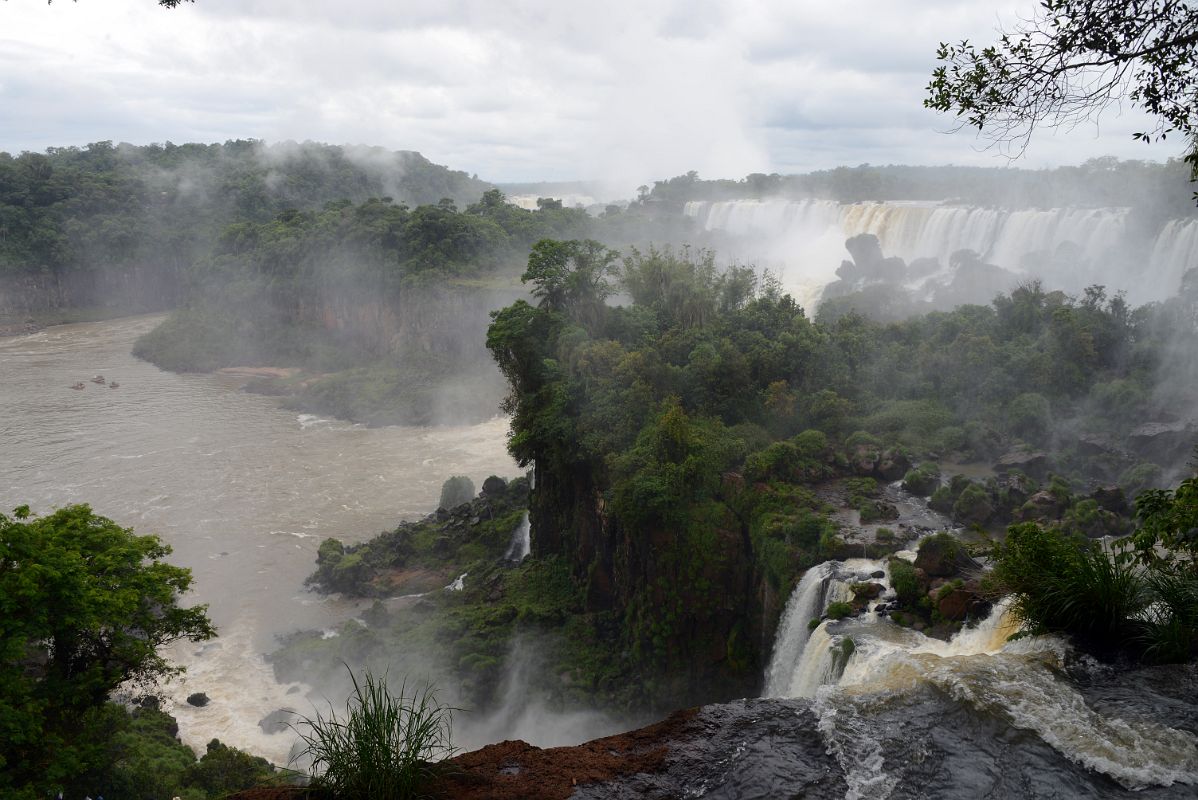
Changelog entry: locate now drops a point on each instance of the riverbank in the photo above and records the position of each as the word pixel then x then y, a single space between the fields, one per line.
pixel 35 321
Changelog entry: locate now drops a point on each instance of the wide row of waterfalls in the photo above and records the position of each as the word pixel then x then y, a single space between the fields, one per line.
pixel 1068 247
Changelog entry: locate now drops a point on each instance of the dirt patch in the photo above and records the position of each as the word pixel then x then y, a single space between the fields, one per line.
pixel 518 771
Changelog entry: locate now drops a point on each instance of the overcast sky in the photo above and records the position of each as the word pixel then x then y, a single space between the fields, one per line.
pixel 629 90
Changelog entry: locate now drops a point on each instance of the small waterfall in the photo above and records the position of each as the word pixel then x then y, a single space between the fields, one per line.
pixel 805 658
pixel 1017 681
pixel 807 602
pixel 518 550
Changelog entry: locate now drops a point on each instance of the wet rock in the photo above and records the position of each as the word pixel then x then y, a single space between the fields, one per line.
pixel 1093 445
pixel 942 556
pixel 197 699
pixel 1040 507
pixel 1111 498
pixel 878 574
pixel 277 721
pixel 867 591
pixel 1163 442
pixel 1034 463
pixel 1013 490
pixel 955 604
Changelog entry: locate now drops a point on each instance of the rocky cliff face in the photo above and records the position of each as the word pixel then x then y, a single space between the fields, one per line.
pixel 691 607
pixel 441 320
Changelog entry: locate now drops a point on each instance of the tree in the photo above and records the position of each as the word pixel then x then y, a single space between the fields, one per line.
pixel 571 276
pixel 85 606
pixel 1072 60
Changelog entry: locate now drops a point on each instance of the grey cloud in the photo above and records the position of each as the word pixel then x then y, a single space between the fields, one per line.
pixel 628 89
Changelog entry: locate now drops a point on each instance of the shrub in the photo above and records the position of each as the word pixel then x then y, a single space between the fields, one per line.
pixel 884 535
pixel 942 500
pixel 1067 584
pixel 904 581
pixel 839 610
pixel 811 444
pixel 973 505
pixel 383 747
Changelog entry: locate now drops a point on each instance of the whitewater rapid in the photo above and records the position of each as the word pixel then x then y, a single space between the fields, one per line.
pixel 859 669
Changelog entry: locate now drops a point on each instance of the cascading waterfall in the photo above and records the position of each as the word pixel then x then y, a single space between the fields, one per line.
pixel 1015 681
pixel 805 658
pixel 808 235
pixel 521 542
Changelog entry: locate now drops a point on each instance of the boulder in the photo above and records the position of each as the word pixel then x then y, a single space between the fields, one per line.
pixel 1014 490
pixel 1034 463
pixel 197 699
pixel 955 604
pixel 866 252
pixel 1163 442
pixel 1041 507
pixel 893 465
pixel 867 591
pixel 922 481
pixel 1093 445
pixel 1111 498
pixel 942 556
pixel 277 721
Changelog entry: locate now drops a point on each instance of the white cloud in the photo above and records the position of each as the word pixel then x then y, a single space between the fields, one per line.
pixel 627 90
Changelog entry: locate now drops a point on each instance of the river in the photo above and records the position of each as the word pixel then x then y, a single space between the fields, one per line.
pixel 243 490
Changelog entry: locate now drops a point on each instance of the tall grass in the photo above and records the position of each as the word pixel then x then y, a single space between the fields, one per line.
pixel 385 745
pixel 1104 598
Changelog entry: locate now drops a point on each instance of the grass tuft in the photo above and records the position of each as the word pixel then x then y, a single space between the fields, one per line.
pixel 385 745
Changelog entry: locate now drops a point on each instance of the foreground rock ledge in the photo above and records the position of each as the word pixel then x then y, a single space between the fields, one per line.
pixel 932 747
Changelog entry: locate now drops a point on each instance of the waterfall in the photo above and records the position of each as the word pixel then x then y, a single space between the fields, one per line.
pixel 802 240
pixel 807 602
pixel 805 658
pixel 1017 681
pixel 517 551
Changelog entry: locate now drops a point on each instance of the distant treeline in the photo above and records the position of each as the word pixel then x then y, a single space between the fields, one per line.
pixel 119 224
pixel 1158 190
pixel 141 227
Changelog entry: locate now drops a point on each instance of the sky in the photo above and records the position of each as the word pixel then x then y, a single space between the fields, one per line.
pixel 626 91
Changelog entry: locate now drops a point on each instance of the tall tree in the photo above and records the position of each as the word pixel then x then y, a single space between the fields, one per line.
pixel 85 606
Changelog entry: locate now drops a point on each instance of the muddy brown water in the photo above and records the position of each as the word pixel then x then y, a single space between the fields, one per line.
pixel 243 490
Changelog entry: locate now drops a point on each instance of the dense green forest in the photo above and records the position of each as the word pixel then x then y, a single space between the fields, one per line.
pixel 123 225
pixel 675 439
pixel 683 447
